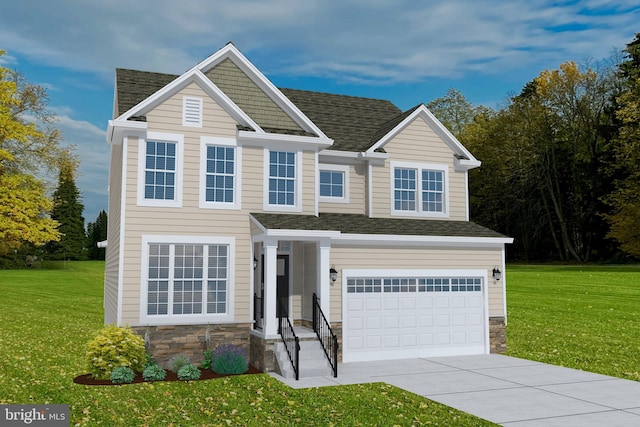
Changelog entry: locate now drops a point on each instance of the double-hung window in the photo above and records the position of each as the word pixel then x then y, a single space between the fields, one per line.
pixel 219 173
pixel 187 280
pixel 334 183
pixel 419 189
pixel 282 185
pixel 160 170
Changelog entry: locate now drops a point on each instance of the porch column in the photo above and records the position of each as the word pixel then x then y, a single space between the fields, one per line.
pixel 324 281
pixel 270 286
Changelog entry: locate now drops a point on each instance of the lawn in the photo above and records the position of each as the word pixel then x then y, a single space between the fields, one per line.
pixel 47 317
pixel 583 317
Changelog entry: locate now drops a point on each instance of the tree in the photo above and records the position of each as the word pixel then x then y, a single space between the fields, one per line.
pixel 454 111
pixel 67 210
pixel 97 232
pixel 23 210
pixel 625 199
pixel 24 147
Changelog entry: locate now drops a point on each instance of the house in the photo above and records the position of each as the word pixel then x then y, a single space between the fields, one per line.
pixel 232 202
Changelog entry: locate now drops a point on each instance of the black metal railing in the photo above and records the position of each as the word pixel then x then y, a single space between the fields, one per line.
pixel 328 339
pixel 290 340
pixel 258 308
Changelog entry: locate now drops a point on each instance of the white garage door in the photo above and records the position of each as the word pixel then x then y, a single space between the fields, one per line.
pixel 391 317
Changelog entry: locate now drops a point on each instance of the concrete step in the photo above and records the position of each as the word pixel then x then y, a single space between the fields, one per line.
pixel 313 362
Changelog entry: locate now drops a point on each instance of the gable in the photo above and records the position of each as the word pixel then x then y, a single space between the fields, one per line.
pixel 251 98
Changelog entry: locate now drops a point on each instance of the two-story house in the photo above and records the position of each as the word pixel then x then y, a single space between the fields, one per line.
pixel 232 202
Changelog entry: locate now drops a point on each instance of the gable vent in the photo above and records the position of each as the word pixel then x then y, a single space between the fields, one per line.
pixel 192 112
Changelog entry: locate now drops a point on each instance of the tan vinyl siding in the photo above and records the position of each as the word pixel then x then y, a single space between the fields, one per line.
pixel 308 182
pixel 167 117
pixel 113 237
pixel 418 143
pixel 345 257
pixel 252 178
pixel 357 194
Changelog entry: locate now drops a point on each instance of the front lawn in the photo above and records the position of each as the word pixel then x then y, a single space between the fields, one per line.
pixel 47 317
pixel 583 317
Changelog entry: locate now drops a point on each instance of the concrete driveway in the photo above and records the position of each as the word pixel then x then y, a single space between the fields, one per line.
pixel 502 389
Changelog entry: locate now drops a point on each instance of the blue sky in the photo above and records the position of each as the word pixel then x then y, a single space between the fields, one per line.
pixel 407 51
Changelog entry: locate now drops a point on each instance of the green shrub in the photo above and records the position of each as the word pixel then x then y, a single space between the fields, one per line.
pixel 122 375
pixel 189 372
pixel 207 359
pixel 149 360
pixel 178 362
pixel 229 359
pixel 114 347
pixel 154 373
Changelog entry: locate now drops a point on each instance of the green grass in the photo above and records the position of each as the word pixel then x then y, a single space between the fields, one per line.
pixel 48 316
pixel 583 317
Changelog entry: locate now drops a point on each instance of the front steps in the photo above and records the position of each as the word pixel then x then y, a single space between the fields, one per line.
pixel 313 362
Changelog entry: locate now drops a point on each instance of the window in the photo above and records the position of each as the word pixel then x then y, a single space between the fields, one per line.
pixel 413 284
pixel 282 178
pixel 334 183
pixel 160 170
pixel 419 189
pixel 187 279
pixel 219 173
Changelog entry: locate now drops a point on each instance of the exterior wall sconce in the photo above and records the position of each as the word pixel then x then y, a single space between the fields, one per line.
pixel 255 263
pixel 497 274
pixel 333 273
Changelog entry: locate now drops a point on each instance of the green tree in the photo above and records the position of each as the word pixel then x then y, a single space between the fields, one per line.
pixel 67 210
pixel 454 111
pixel 625 199
pixel 97 232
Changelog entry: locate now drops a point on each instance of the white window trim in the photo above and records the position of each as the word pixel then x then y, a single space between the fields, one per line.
pixel 345 169
pixel 185 101
pixel 186 319
pixel 297 206
pixel 237 182
pixel 419 167
pixel 178 139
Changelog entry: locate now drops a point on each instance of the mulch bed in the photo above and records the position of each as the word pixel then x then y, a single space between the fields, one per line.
pixel 205 374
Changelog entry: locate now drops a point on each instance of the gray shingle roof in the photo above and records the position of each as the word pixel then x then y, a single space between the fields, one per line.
pixel 354 123
pixel 362 224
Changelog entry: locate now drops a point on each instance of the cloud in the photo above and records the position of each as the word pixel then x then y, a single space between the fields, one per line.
pixel 369 41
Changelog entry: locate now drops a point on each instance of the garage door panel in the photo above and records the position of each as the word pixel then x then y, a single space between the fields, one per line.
pixel 414 318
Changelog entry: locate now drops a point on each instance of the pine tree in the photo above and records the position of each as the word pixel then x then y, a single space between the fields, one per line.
pixel 97 232
pixel 67 210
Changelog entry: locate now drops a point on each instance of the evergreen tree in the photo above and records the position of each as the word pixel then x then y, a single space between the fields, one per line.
pixel 97 232
pixel 67 210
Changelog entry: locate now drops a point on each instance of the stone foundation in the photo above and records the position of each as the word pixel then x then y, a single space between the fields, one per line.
pixel 261 354
pixel 497 335
pixel 168 341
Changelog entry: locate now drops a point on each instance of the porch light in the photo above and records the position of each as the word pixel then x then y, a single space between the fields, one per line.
pixel 497 274
pixel 255 263
pixel 333 274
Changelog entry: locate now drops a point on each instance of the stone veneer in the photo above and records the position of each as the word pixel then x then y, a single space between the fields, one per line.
pixel 168 341
pixel 497 335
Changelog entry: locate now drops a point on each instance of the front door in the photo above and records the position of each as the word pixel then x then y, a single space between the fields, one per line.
pixel 282 286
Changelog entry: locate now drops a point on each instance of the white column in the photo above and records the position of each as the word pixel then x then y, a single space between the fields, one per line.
pixel 270 286
pixel 324 281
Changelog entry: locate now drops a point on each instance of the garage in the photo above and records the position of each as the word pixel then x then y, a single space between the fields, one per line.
pixel 404 314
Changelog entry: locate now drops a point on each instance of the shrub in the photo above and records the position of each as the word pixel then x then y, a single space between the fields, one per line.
pixel 122 375
pixel 154 372
pixel 206 362
pixel 114 347
pixel 189 372
pixel 229 359
pixel 178 362
pixel 149 360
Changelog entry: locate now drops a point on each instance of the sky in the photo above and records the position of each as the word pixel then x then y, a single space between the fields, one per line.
pixel 406 51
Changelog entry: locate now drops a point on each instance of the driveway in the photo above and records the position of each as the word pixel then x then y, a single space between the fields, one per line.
pixel 502 389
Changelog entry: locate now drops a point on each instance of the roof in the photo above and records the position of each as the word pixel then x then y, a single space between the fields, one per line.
pixel 362 224
pixel 354 123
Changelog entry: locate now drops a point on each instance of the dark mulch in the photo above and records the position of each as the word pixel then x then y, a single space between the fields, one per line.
pixel 205 374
